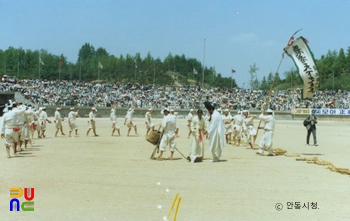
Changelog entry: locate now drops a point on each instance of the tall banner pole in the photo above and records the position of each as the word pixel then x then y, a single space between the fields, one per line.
pixel 271 87
pixel 203 65
pixel 268 98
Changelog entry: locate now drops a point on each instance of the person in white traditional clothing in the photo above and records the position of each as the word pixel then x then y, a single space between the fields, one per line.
pixel 9 129
pixel 42 121
pixel 148 120
pixel 92 122
pixel 168 138
pixel 269 127
pixel 71 122
pixel 58 121
pixel 129 122
pixel 28 120
pixel 189 120
pixel 216 132
pixel 172 112
pixel 20 122
pixel 249 128
pixel 37 122
pixel 227 120
pixel 237 129
pixel 115 125
pixel 34 123
pixel 198 127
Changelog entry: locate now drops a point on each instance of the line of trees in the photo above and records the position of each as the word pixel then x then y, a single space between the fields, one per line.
pixel 97 64
pixel 93 64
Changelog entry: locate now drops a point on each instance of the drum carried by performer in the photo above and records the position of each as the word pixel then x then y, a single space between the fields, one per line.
pixel 153 137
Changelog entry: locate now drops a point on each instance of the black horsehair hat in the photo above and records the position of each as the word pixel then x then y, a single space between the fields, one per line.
pixel 208 105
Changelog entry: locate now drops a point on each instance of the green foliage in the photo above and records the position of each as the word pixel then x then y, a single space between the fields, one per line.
pixel 173 70
pixel 253 80
pixel 334 70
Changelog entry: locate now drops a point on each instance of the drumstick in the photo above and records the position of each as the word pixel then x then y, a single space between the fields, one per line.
pixel 154 152
pixel 181 153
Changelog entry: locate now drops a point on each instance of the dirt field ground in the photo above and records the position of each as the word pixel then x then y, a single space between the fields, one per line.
pixel 112 178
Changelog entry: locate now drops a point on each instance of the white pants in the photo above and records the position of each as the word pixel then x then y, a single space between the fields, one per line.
pixel 92 124
pixel 168 139
pixel 237 132
pixel 115 125
pixel 72 125
pixel 25 132
pixel 149 125
pixel 266 141
pixel 228 129
pixel 10 136
pixel 251 132
pixel 58 124
pixel 130 124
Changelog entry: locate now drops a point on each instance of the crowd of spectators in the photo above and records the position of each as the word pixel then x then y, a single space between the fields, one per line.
pixel 99 94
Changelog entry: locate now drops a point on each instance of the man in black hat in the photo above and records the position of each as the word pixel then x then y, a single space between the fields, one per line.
pixel 216 132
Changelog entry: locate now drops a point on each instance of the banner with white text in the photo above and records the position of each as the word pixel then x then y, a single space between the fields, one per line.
pixel 305 111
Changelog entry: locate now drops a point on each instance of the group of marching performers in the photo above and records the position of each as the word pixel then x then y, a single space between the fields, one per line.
pixel 220 129
pixel 19 123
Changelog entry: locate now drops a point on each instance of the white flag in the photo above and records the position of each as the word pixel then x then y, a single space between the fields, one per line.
pixel 304 60
pixel 100 65
pixel 195 71
pixel 41 62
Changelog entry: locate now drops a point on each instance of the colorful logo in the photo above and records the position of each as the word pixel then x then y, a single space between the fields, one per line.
pixel 16 193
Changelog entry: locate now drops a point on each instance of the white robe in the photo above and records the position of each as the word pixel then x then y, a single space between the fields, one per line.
pixel 216 132
pixel 197 146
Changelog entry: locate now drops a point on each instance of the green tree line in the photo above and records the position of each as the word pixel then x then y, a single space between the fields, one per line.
pixel 97 64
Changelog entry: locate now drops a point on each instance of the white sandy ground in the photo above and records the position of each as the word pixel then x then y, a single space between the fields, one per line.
pixel 112 178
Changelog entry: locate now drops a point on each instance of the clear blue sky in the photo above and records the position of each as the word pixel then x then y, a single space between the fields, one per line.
pixel 237 33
